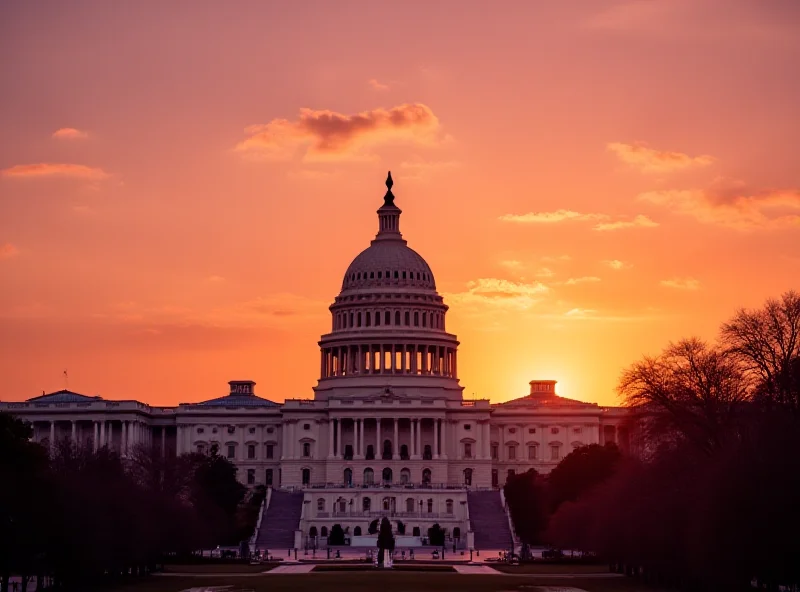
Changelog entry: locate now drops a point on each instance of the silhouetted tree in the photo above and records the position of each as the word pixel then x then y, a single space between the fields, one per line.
pixel 436 535
pixel 373 527
pixel 526 496
pixel 336 536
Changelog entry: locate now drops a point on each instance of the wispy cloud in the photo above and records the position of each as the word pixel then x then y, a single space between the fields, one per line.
pixel 616 264
pixel 681 283
pixel 375 85
pixel 76 171
pixel 500 293
pixel 581 313
pixel 731 204
pixel 7 251
pixel 550 217
pixel 328 135
pixel 512 264
pixel 589 279
pixel 70 133
pixel 556 258
pixel 639 221
pixel 650 160
pixel 545 272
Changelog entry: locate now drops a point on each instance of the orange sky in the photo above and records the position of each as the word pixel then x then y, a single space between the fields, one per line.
pixel 183 184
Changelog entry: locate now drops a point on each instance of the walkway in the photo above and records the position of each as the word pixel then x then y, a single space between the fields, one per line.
pixel 473 570
pixel 297 568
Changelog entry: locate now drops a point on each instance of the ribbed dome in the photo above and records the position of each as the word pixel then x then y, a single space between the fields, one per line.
pixel 388 263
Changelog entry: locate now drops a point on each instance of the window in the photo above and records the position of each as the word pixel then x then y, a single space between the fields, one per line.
pixel 427 454
pixel 467 426
pixel 370 452
pixel 531 430
pixel 407 319
pixel 201 430
pixel 306 449
pixel 448 506
pixel 201 449
pixel 348 452
pixel 231 451
pixel 467 450
pixel 397 317
pixel 554 430
pixel 405 476
pixel 366 504
pixel 348 477
pixel 512 453
pixel 495 480
pixel 357 531
pixel 576 430
pixel 251 451
pixel 306 476
pixel 512 430
pixel 532 453
pixel 495 451
pixel 231 429
pixel 252 430
pixel 554 453
pixel 430 506
pixel 269 477
pixel 306 426
pixel 467 477
pixel 426 476
pixel 342 505
pixel 320 505
pixel 213 430
pixel 410 505
pixel 404 452
pixel 270 450
pixel 387 318
pixel 251 476
pixel 416 319
pixel 369 476
pixel 387 475
pixel 511 473
pixel 270 430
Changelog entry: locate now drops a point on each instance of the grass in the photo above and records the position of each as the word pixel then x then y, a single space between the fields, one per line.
pixel 385 581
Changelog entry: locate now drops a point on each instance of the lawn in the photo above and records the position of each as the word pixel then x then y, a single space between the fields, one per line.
pixel 379 580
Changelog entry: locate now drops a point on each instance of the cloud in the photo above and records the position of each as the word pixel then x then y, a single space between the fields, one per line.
pixel 582 280
pixel 327 135
pixel 681 283
pixel 554 259
pixel 545 272
pixel 75 171
pixel 616 264
pixel 7 251
pixel 550 217
pixel 69 133
pixel 729 203
pixel 375 85
pixel 639 221
pixel 579 313
pixel 512 264
pixel 650 160
pixel 500 293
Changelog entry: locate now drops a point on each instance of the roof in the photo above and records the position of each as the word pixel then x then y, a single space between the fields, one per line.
pixel 544 400
pixel 64 396
pixel 237 401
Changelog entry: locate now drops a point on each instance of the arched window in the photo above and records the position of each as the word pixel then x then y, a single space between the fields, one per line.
pixel 387 475
pixel 366 504
pixel 397 317
pixel 306 476
pixel 370 452
pixel 405 476
pixel 348 477
pixel 468 477
pixel 426 476
pixel 342 503
pixel 312 532
pixel 357 531
pixel 448 506
pixel 323 531
pixel 321 505
pixel 403 452
pixel 430 506
pixel 426 452
pixel 456 533
pixel 415 532
pixel 387 450
pixel 410 505
pixel 369 476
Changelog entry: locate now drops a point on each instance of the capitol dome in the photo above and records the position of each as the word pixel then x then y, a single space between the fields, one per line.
pixel 388 264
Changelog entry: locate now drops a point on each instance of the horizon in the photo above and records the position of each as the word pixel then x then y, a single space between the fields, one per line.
pixel 588 183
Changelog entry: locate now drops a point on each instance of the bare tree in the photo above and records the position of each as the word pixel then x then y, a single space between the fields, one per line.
pixel 690 391
pixel 767 343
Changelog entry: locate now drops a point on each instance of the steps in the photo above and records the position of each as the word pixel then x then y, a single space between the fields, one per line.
pixel 489 521
pixel 281 519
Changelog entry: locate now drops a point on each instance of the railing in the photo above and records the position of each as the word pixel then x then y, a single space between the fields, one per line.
pixel 374 486
pixel 387 513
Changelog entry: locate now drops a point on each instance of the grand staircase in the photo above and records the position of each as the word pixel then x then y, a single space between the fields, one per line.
pixel 489 521
pixel 281 519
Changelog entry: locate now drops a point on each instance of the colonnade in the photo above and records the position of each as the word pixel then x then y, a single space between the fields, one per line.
pixel 403 358
pixel 359 444
pixel 131 433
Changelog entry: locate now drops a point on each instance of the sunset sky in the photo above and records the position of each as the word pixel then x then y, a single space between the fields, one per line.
pixel 184 183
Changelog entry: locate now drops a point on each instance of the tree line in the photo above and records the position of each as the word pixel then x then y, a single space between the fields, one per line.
pixel 708 500
pixel 80 516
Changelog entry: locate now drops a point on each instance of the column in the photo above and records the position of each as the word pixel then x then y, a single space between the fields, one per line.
pixel 330 437
pixel 339 447
pixel 52 435
pixel 73 431
pixel 103 433
pixel 292 439
pixel 96 435
pixel 419 438
pixel 123 439
pixel 284 440
pixel 487 441
pixel 443 437
pixel 163 441
pixel 362 422
pixel 382 363
pixel 396 445
pixel 378 449
pixel 436 438
pixel 242 451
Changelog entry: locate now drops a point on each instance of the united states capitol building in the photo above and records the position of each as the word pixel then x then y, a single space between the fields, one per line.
pixel 387 432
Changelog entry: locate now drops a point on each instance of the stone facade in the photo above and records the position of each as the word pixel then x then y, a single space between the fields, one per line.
pixel 388 430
